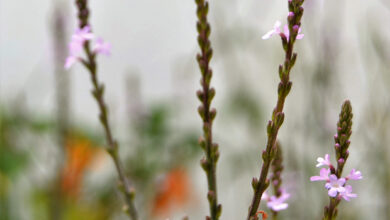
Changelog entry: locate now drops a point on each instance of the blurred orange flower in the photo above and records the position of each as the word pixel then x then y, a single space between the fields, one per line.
pixel 173 192
pixel 80 153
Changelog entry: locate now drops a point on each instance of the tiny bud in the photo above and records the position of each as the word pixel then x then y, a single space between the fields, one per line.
pixel 213 113
pixel 200 95
pixel 211 94
pixel 269 127
pixel 337 146
pixel 204 164
pixel 264 155
pixel 341 161
pixel 201 111
pixel 211 196
pixel 202 143
pixel 295 28
pixel 290 16
pixel 219 210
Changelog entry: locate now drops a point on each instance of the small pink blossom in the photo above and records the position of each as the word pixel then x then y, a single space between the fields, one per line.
pixel 324 161
pixel 324 175
pixel 70 60
pixel 335 185
pixel 102 47
pixel 83 34
pixel 276 30
pixel 354 175
pixel 276 203
pixel 347 194
pixel 286 31
pixel 77 43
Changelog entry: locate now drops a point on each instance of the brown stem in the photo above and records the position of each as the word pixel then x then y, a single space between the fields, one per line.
pixel 275 123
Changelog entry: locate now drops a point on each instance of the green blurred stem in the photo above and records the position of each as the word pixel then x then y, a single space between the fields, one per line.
pixel 98 91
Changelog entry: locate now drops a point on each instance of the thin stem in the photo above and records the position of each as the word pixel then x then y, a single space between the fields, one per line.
pixel 98 91
pixel 261 184
pixel 207 114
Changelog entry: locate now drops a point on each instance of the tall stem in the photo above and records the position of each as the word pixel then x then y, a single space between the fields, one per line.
pixel 207 114
pixel 98 91
pixel 261 184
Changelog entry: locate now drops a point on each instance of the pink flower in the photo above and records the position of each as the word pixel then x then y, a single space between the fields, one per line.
pixel 354 175
pixel 287 33
pixel 324 175
pixel 77 43
pixel 276 203
pixel 70 60
pixel 83 34
pixel 276 30
pixel 335 185
pixel 347 194
pixel 102 47
pixel 323 161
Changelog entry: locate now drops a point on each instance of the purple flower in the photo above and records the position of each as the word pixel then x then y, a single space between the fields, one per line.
pixel 70 60
pixel 77 43
pixel 335 185
pixel 324 175
pixel 287 33
pixel 347 194
pixel 354 175
pixel 276 203
pixel 276 30
pixel 323 161
pixel 83 34
pixel 102 47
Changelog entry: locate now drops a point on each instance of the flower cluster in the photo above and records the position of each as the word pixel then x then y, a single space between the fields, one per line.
pixel 274 203
pixel 79 39
pixel 285 33
pixel 336 186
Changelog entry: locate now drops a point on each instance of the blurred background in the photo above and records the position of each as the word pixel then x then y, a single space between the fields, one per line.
pixel 52 159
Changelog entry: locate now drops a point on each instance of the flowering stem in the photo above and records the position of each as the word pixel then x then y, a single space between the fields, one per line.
pixel 261 184
pixel 342 142
pixel 98 91
pixel 206 95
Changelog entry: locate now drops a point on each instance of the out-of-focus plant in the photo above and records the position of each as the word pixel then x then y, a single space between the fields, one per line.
pixel 81 42
pixel 206 95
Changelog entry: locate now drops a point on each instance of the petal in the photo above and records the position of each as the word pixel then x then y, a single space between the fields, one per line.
pixel 300 36
pixel 279 207
pixel 324 173
pixel 340 189
pixel 332 192
pixel 333 178
pixel 70 60
pixel 346 198
pixel 277 24
pixel 341 181
pixel 316 178
pixel 268 34
pixel 286 31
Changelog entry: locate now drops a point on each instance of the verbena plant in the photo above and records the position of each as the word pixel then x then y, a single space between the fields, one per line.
pixel 83 41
